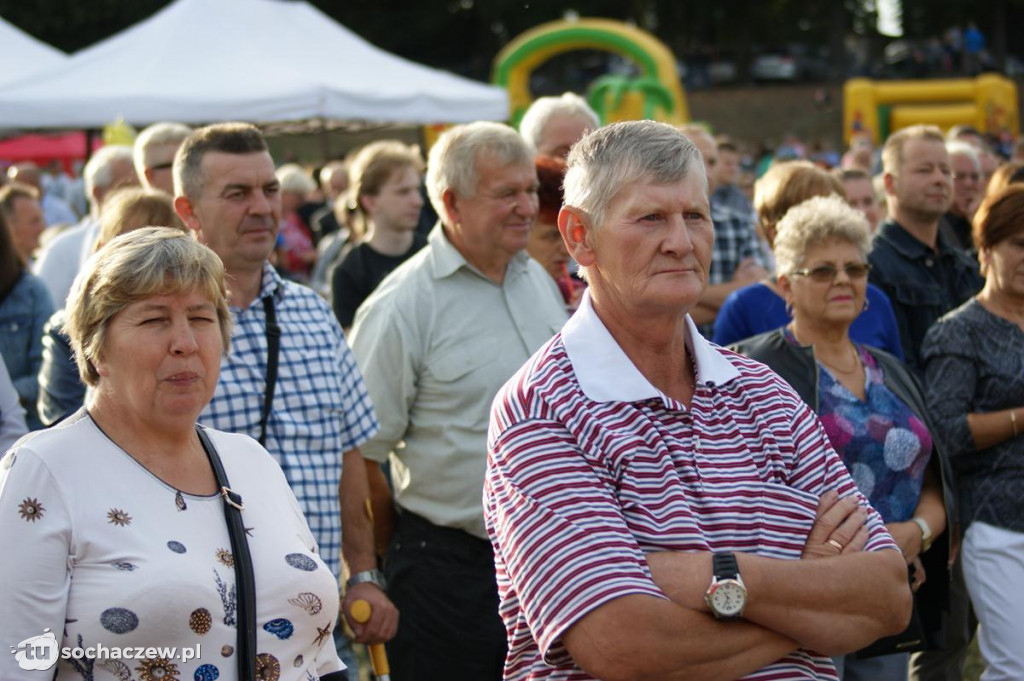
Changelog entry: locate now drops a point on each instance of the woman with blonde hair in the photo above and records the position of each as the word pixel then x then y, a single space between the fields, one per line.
pixel 132 208
pixel 135 526
pixel 61 391
pixel 760 307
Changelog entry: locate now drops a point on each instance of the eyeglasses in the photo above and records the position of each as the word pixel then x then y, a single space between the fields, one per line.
pixel 826 274
pixel 963 177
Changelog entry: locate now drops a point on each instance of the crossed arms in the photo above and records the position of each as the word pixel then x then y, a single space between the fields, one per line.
pixel 828 601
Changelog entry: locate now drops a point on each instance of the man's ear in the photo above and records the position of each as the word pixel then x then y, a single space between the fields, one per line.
pixel 889 180
pixel 183 207
pixel 450 200
pixel 574 226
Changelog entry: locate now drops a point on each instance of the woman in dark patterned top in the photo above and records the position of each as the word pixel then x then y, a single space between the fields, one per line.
pixel 975 374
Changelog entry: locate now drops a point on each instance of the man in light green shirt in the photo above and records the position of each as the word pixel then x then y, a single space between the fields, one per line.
pixel 435 342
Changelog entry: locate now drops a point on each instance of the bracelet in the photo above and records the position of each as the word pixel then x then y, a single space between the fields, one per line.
pixel 1013 421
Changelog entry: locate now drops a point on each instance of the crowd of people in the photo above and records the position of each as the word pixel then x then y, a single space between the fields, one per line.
pixel 562 402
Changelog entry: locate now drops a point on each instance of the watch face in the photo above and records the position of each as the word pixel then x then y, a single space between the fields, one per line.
pixel 728 597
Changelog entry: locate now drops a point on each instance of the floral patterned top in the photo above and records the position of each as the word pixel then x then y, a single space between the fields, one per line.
pixel 885 446
pixel 107 553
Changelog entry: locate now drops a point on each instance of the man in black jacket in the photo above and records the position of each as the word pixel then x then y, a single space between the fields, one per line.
pixel 923 274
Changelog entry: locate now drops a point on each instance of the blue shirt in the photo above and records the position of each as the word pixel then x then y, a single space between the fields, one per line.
pixel 756 308
pixel 321 408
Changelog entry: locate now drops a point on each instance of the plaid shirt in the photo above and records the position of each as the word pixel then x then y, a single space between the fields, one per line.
pixel 735 236
pixel 321 408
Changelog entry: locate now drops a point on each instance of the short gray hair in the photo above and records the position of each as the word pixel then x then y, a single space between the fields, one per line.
pixel 452 163
pixel 140 264
pixel 294 178
pixel 613 157
pixel 531 126
pixel 961 148
pixel 99 171
pixel 813 223
pixel 157 135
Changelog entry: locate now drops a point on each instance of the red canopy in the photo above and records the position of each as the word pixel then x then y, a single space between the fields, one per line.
pixel 42 149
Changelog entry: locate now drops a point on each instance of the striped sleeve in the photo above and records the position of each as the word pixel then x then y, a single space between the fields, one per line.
pixel 557 527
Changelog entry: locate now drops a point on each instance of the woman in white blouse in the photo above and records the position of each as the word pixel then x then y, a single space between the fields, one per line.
pixel 120 533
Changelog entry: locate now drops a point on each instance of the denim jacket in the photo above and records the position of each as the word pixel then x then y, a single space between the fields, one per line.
pixel 22 315
pixel 61 391
pixel 922 284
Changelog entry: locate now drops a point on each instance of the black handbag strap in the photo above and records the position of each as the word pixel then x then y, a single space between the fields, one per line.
pixel 245 581
pixel 273 350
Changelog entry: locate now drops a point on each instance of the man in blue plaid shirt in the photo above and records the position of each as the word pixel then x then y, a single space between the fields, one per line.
pixel 227 192
pixel 736 259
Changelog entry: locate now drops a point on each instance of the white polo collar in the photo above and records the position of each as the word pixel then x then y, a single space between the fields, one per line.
pixel 605 372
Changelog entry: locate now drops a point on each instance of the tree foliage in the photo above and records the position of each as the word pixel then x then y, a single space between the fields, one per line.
pixel 464 35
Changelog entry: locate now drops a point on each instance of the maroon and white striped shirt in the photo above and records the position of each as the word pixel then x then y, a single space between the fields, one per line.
pixel 590 466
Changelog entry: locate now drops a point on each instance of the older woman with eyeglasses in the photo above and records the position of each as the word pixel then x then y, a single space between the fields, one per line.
pixel 870 405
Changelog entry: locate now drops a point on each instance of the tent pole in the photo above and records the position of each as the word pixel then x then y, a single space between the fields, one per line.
pixel 325 140
pixel 90 140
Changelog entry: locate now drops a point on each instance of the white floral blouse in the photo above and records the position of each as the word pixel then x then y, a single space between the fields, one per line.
pixel 99 551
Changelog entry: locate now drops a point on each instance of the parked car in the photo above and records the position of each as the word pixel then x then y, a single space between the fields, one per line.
pixel 791 63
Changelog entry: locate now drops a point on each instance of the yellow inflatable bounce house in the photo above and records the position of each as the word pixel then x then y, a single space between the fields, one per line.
pixel 656 94
pixel 988 102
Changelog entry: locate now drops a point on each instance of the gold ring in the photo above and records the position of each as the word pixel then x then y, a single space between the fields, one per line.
pixel 833 542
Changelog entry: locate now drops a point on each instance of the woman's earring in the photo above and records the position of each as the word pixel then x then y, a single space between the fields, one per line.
pixel 789 309
pixel 867 304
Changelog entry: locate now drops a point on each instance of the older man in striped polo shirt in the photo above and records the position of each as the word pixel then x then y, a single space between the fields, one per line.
pixel 660 507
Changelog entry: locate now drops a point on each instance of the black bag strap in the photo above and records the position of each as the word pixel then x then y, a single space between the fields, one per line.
pixel 245 581
pixel 273 350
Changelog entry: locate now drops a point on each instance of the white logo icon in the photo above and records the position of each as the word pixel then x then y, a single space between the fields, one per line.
pixel 37 653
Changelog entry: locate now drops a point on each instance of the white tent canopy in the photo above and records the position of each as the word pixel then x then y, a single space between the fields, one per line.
pixel 23 55
pixel 200 61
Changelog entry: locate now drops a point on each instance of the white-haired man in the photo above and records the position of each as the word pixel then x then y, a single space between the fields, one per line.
pixel 968 191
pixel 553 124
pixel 154 154
pixel 436 341
pixel 334 184
pixel 109 169
pixel 661 508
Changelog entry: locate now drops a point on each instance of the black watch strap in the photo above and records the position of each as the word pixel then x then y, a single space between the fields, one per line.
pixel 724 565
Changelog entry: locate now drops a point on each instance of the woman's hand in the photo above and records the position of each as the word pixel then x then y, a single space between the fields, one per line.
pixel 908 537
pixel 919 576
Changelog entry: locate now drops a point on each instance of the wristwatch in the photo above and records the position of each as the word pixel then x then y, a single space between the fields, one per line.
pixel 926 533
pixel 375 577
pixel 727 595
